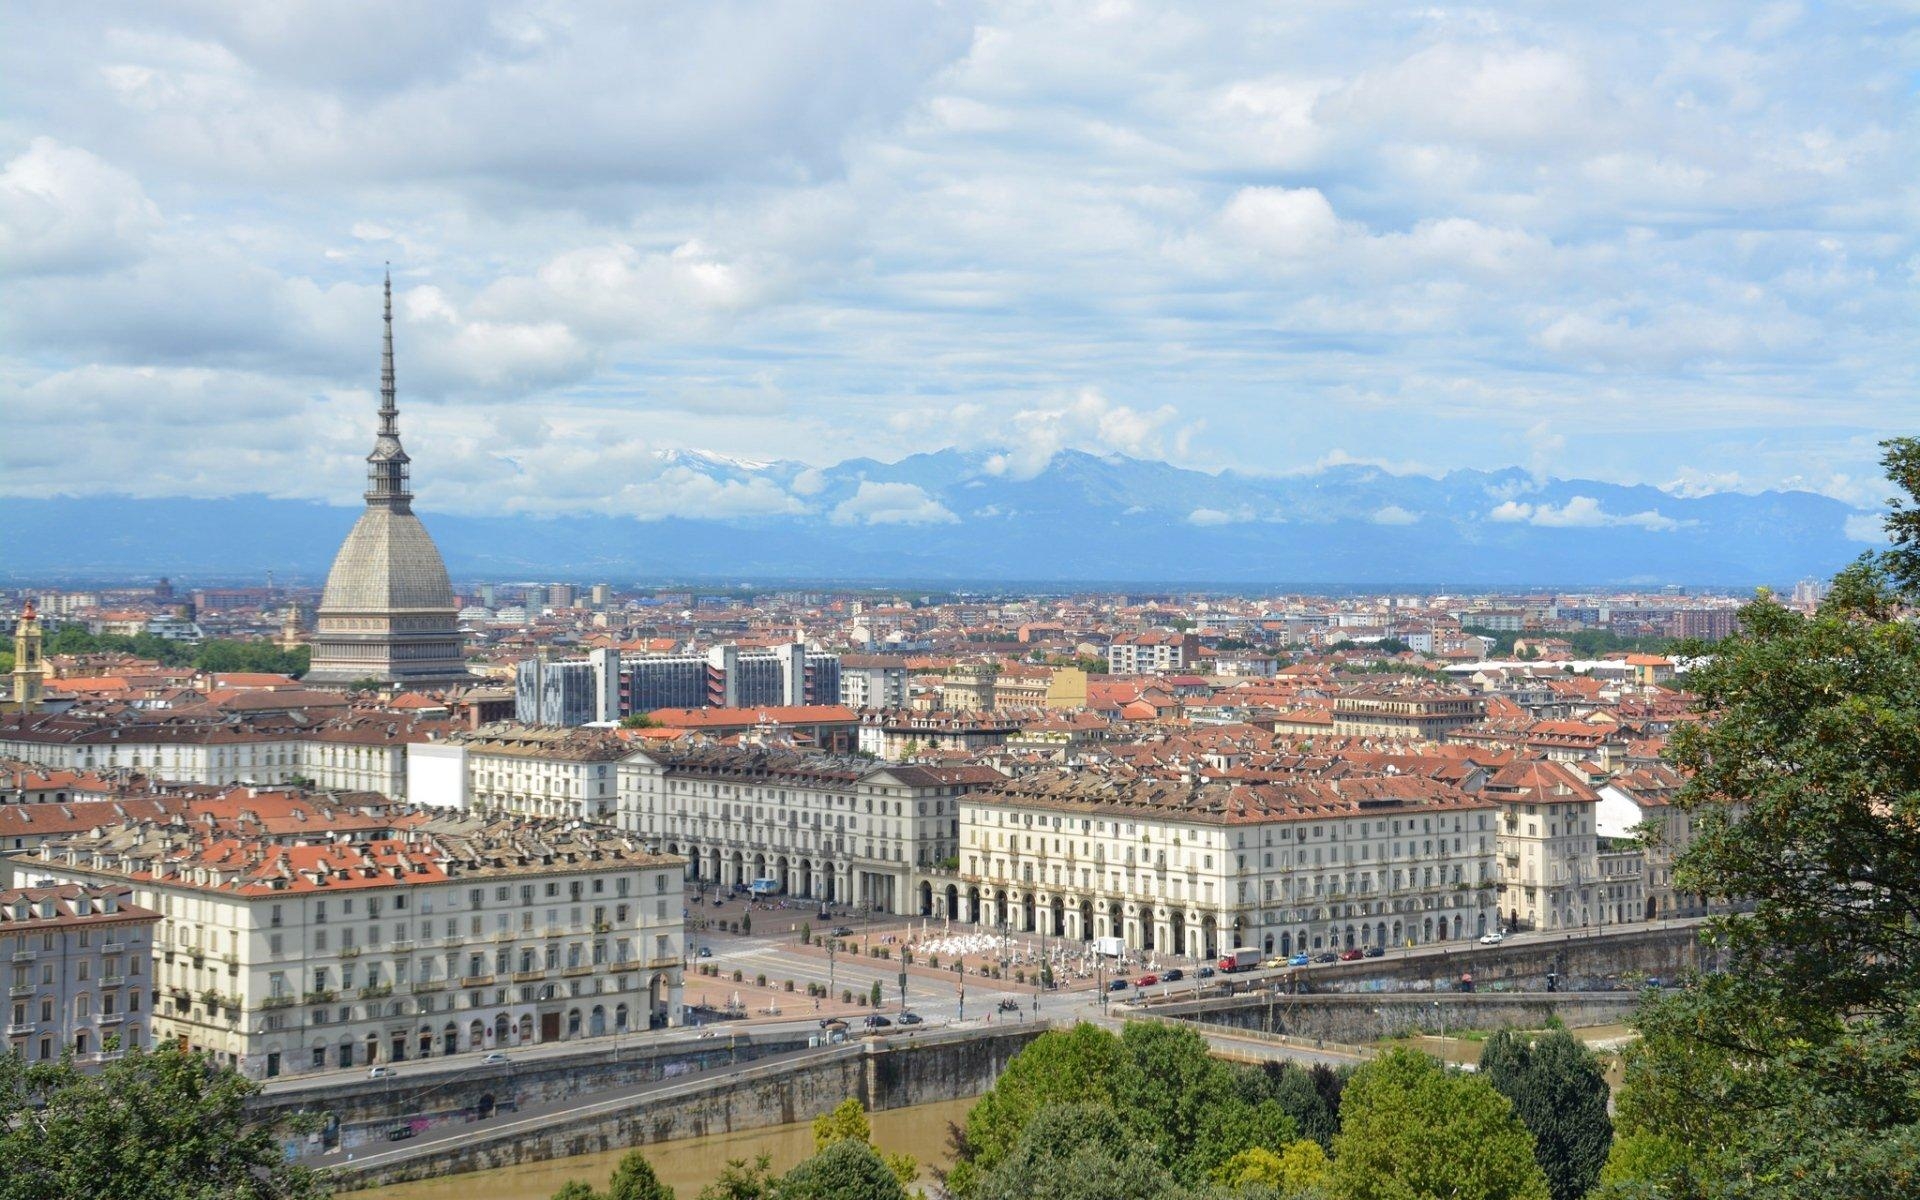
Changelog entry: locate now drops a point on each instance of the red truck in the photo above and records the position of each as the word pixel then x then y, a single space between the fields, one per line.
pixel 1240 958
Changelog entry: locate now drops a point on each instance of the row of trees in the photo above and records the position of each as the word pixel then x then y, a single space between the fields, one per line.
pixel 213 655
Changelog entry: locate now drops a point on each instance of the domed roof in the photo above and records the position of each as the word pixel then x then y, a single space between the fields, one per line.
pixel 388 562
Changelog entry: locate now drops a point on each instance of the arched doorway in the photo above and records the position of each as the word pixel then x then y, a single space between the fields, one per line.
pixel 426 1041
pixel 476 1035
pixel 525 1028
pixel 619 1018
pixel 926 899
pixel 597 1021
pixel 373 1047
pixel 450 1038
pixel 502 1029
pixel 573 1022
pixel 346 1051
pixel 1286 945
pixel 953 901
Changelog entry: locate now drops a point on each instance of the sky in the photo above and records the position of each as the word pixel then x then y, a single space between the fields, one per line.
pixel 1659 243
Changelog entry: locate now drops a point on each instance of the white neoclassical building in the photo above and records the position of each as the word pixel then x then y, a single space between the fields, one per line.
pixel 829 828
pixel 433 936
pixel 1194 869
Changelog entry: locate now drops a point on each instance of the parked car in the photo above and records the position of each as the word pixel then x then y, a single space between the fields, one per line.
pixel 841 931
pixel 1117 985
pixel 1204 973
pixel 1173 975
pixel 706 952
pixel 907 1018
pixel 1373 952
pixel 1147 980
pixel 1492 937
pixel 1352 954
pixel 832 1023
pixel 1300 960
pixel 399 1133
pixel 1326 956
pixel 493 1059
pixel 379 1071
pixel 876 1021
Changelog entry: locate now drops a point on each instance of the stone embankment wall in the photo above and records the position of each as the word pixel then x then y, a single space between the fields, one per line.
pixel 1361 1019
pixel 366 1108
pixel 882 1075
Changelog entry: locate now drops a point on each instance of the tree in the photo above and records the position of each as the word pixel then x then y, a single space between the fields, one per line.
pixel 576 1189
pixel 1796 1071
pixel 638 721
pixel 848 1122
pixel 1192 1111
pixel 1559 1091
pixel 160 1125
pixel 1410 1128
pixel 634 1179
pixel 846 1170
pixel 742 1180
pixel 876 994
pixel 1079 1152
pixel 1302 1168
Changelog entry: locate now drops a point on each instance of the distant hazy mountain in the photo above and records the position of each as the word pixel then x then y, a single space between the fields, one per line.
pixel 959 516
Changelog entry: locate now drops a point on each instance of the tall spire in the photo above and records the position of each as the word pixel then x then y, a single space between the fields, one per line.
pixel 387 465
pixel 389 411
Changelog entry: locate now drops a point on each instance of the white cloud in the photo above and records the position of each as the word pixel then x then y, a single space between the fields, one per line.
pixel 1206 517
pixel 1089 422
pixel 1579 512
pixel 63 210
pixel 1393 514
pixel 891 504
pixel 1870 528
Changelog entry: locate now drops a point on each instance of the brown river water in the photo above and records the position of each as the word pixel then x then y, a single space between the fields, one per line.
pixel 690 1164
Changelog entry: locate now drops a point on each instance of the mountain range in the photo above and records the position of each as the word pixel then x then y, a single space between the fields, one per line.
pixel 957 515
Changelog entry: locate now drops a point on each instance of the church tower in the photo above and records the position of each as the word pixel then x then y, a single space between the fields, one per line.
pixel 29 670
pixel 388 613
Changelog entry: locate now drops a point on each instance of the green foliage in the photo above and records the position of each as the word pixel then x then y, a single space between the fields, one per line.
pixel 742 1180
pixel 846 1170
pixel 576 1189
pixel 1303 1168
pixel 876 994
pixel 1649 1166
pixel 1192 1111
pixel 638 721
pixel 1797 1071
pixel 1410 1129
pixel 163 1125
pixel 1558 1090
pixel 214 655
pixel 1309 1095
pixel 634 1179
pixel 1586 643
pixel 1079 1152
pixel 848 1123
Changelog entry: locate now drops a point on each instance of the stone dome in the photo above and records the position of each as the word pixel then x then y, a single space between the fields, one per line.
pixel 388 563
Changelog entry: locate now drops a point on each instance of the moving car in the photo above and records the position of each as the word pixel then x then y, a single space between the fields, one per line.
pixel 492 1059
pixel 1147 980
pixel 1117 985
pixel 1351 954
pixel 379 1071
pixel 1326 956
pixel 1276 961
pixel 1300 960
pixel 1373 952
pixel 399 1133
pixel 876 1021
pixel 907 1018
pixel 1174 975
pixel 1204 973
pixel 841 931
pixel 1493 937
pixel 706 952
pixel 832 1023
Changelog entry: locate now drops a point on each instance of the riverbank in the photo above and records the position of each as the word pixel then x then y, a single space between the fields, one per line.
pixel 690 1164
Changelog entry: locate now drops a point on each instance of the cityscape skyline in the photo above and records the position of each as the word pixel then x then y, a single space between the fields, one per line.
pixel 1667 252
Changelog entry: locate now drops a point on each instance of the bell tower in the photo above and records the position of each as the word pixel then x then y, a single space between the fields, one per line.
pixel 29 671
